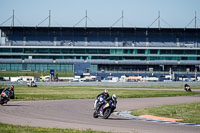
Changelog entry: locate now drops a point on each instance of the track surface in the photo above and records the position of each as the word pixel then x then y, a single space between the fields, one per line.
pixel 78 114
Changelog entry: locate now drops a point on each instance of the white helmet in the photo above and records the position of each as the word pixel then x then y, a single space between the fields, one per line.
pixel 114 97
pixel 106 91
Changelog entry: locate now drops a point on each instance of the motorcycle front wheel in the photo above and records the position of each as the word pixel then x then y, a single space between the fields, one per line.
pixel 107 113
pixel 1 102
pixel 95 114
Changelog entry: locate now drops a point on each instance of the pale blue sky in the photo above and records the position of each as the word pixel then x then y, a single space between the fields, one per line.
pixel 139 13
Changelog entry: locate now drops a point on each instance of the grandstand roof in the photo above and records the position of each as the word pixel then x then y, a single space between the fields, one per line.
pixel 96 28
pixel 114 31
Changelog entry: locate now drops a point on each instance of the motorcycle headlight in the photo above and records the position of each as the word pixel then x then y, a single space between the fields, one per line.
pixel 113 105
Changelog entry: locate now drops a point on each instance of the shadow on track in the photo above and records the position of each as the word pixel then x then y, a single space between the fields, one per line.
pixel 118 119
pixel 12 105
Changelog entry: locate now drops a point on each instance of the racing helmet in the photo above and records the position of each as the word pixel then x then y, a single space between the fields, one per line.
pixel 11 87
pixel 114 97
pixel 106 91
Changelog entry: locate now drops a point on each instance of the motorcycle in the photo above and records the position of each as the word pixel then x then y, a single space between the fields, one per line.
pixel 107 109
pixel 31 84
pixel 4 97
pixel 187 88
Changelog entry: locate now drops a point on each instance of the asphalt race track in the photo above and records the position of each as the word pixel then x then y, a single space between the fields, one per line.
pixel 78 114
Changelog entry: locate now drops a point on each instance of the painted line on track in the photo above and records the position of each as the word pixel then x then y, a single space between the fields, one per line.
pixel 127 114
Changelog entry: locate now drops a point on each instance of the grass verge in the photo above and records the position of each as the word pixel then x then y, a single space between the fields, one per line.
pixel 35 73
pixel 189 112
pixel 7 128
pixel 23 92
pixel 151 87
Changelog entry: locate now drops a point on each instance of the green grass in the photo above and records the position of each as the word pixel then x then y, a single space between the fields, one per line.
pixel 152 87
pixel 34 73
pixel 189 112
pixel 7 128
pixel 23 92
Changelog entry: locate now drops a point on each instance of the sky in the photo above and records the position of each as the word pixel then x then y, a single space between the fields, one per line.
pixel 101 13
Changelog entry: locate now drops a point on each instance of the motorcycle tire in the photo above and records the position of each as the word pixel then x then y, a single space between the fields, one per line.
pixel 95 114
pixel 107 113
pixel 1 102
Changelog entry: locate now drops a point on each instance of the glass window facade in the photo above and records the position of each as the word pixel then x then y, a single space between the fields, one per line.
pixel 94 68
pixel 5 66
pixel 97 44
pixel 52 51
pixel 36 67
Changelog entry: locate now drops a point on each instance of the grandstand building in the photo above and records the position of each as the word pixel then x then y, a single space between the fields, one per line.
pixel 100 50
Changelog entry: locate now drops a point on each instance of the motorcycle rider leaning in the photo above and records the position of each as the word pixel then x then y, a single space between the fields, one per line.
pixel 104 95
pixel 186 86
pixel 10 90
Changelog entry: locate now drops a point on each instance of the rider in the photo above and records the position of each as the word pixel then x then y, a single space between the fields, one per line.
pixel 10 90
pixel 104 95
pixel 32 83
pixel 186 86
